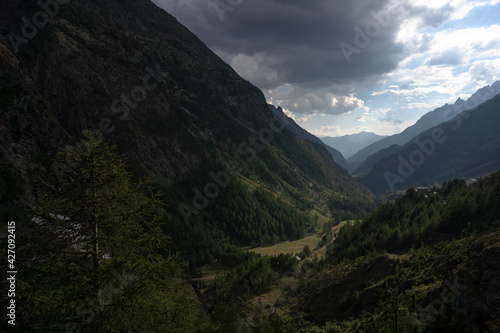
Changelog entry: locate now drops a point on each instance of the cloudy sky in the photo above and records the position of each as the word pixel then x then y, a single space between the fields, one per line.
pixel 341 67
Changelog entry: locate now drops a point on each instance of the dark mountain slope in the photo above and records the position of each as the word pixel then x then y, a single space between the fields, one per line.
pixel 372 160
pixel 141 79
pixel 293 127
pixel 467 146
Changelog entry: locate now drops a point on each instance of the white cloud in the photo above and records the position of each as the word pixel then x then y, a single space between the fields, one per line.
pixel 377 93
pixel 439 65
pixel 288 113
pixel 464 40
pixel 306 117
pixel 331 100
pixel 459 8
pixel 456 64
pixel 485 72
pixel 364 118
pixel 334 130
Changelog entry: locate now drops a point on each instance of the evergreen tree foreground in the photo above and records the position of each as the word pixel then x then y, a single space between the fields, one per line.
pixel 96 259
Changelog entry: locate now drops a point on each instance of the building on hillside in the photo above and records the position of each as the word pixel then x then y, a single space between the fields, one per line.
pixel 422 189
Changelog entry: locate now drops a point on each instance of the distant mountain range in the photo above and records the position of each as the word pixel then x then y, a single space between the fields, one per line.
pixel 467 146
pixel 433 118
pixel 350 144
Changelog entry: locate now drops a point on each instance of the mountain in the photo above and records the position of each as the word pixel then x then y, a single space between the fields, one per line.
pixel 349 145
pixel 430 119
pixel 230 176
pixel 228 170
pixel 467 146
pixel 372 160
pixel 293 127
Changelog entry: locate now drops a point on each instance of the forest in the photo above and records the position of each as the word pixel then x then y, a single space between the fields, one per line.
pixel 100 255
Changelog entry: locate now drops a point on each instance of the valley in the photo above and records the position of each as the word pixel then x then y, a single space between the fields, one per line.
pixel 154 189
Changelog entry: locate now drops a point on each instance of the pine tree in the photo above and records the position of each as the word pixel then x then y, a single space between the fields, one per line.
pixel 97 265
pixel 306 250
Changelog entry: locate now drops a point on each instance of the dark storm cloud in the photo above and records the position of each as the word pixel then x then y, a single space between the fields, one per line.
pixel 324 51
pixel 297 40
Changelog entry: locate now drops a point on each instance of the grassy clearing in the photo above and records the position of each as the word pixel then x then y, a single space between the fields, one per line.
pixel 293 247
pixel 212 271
pixel 351 222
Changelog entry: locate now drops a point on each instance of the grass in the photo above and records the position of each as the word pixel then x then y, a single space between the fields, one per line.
pixel 211 271
pixel 351 222
pixel 293 247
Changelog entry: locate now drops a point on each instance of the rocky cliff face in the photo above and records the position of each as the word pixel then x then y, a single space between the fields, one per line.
pixel 142 80
pixel 133 73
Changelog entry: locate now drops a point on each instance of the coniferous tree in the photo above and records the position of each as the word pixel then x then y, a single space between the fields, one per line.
pixel 96 265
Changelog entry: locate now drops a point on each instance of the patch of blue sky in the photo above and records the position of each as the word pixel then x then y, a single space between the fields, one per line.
pixel 283 89
pixel 483 16
pixel 457 70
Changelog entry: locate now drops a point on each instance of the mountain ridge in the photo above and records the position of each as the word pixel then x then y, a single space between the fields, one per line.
pixel 430 119
pixel 467 146
pixel 350 144
pixel 292 126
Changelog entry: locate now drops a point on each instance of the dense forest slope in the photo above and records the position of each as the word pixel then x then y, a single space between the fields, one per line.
pixel 426 262
pixel 429 261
